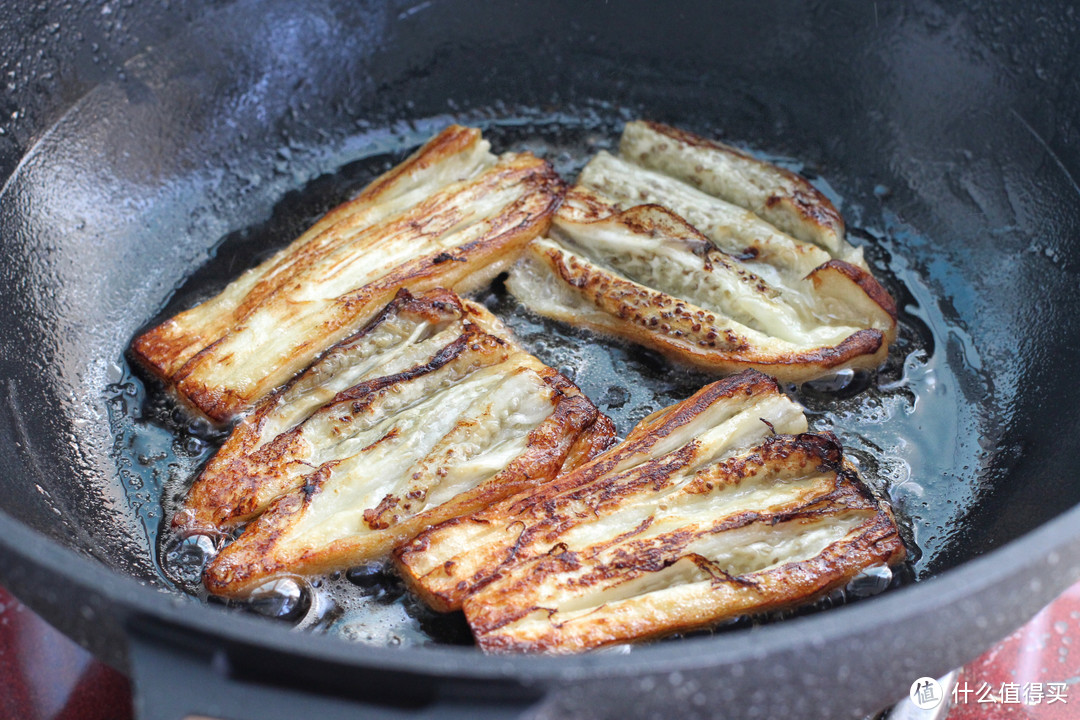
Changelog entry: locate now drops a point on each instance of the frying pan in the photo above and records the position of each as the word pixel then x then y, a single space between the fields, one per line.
pixel 141 135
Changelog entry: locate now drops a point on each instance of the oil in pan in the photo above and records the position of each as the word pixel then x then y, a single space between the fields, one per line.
pixel 914 427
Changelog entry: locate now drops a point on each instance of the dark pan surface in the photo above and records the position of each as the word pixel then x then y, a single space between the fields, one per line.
pixel 962 120
pixel 915 427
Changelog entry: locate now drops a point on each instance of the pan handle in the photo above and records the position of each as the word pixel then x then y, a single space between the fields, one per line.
pixel 181 675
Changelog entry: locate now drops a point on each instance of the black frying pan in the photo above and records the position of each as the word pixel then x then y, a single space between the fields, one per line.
pixel 962 118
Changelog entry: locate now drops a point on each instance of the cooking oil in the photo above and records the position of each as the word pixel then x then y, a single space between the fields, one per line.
pixel 920 428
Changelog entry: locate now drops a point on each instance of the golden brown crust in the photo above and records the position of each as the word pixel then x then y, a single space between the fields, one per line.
pixel 662 533
pixel 165 348
pixel 647 275
pixel 596 439
pixel 235 483
pixel 197 351
pixel 439 346
pixel 867 282
pixel 778 589
pixel 524 588
pixel 799 197
pixel 692 335
pixel 596 484
pixel 257 556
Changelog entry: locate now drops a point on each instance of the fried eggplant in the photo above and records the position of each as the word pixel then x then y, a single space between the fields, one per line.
pixel 452 215
pixel 719 506
pixel 429 412
pixel 650 258
pixel 778 196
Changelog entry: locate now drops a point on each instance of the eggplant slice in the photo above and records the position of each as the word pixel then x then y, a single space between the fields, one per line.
pixel 430 412
pixel 650 257
pixel 719 506
pixel 452 215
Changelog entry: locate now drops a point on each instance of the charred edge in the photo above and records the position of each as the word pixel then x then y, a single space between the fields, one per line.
pixel 154 352
pixel 590 205
pixel 809 203
pixel 519 216
pixel 688 138
pixel 655 554
pixel 644 525
pixel 862 342
pixel 497 615
pixel 522 220
pixel 449 142
pixel 220 404
pixel 824 446
pixel 374 516
pixel 647 219
pixel 561 384
pixel 432 305
pixel 596 285
pixel 866 282
pixel 597 488
pixel 718 575
pixel 595 440
pixel 748 383
pixel 538 181
pixel 551 442
pixel 876 540
pixel 548 446
pixel 805 448
pixel 251 555
pixel 442 358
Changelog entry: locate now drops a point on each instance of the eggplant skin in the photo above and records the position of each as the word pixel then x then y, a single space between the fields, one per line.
pixel 452 215
pixel 430 412
pixel 716 507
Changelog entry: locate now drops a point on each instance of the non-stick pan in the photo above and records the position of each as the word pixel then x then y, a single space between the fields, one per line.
pixel 137 136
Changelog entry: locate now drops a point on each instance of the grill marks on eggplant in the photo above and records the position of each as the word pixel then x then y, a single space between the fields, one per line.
pixel 452 215
pixel 431 434
pixel 666 259
pixel 429 412
pixel 701 514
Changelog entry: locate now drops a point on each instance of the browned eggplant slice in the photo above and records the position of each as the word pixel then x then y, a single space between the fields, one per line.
pixel 452 215
pixel 700 515
pixel 446 563
pixel 778 196
pixel 646 275
pixel 711 257
pixel 430 412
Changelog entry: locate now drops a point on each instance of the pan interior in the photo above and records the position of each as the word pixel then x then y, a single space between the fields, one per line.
pixel 208 152
pixel 908 426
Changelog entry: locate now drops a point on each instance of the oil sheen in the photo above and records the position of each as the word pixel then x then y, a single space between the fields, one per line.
pixel 920 428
